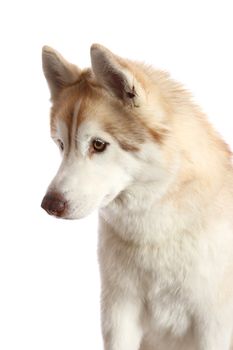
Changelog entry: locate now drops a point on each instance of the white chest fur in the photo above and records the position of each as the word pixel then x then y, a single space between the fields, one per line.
pixel 170 262
pixel 156 274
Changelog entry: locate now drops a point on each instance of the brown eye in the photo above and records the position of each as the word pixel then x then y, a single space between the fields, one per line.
pixel 61 145
pixel 99 145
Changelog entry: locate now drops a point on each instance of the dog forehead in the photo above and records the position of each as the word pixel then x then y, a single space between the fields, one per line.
pixel 72 105
pixel 83 102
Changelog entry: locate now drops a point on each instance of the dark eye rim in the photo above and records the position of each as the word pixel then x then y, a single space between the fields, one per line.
pixel 99 145
pixel 60 144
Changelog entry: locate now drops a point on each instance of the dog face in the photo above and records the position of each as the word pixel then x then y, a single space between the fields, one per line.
pixel 94 168
pixel 101 122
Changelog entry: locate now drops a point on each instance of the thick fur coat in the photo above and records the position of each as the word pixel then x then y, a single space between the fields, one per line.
pixel 135 146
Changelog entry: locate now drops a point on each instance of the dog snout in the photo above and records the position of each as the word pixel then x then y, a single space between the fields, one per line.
pixel 55 204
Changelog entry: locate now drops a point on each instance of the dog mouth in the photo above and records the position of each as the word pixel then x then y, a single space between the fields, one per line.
pixel 58 206
pixel 79 211
pixel 82 210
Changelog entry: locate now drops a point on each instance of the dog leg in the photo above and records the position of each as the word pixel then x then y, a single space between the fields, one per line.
pixel 121 326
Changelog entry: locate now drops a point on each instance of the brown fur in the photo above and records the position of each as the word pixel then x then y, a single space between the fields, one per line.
pixel 129 129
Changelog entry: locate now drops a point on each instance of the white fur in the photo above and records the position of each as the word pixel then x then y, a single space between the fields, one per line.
pixel 93 182
pixel 166 213
pixel 164 283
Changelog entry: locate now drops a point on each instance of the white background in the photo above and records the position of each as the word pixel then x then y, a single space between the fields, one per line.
pixel 49 282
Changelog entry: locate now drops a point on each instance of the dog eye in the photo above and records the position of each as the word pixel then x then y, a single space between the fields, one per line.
pixel 99 145
pixel 61 145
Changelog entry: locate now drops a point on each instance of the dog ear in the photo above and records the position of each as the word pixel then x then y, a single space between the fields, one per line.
pixel 58 72
pixel 112 72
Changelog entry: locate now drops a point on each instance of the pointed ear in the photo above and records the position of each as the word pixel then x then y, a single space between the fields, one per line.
pixel 58 72
pixel 113 73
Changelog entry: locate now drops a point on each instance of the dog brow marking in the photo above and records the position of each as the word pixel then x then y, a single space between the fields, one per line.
pixel 75 124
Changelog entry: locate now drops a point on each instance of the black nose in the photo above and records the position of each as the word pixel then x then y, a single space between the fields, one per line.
pixel 54 204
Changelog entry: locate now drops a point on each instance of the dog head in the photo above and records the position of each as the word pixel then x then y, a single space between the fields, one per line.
pixel 109 123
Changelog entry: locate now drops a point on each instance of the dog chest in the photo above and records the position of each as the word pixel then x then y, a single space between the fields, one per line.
pixel 155 277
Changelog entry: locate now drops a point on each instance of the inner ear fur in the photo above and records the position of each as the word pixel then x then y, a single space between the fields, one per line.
pixel 59 73
pixel 113 74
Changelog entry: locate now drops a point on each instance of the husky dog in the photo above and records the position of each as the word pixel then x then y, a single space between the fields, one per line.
pixel 135 146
